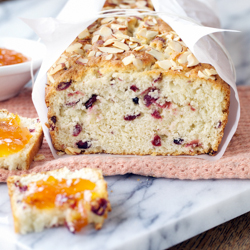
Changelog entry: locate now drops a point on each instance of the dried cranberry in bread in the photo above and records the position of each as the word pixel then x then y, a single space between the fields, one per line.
pixel 130 85
pixel 60 197
pixel 20 140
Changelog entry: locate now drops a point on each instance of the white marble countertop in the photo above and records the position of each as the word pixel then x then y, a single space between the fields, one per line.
pixel 148 213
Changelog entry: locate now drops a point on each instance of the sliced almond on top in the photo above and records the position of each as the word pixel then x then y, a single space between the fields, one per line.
pixel 98 53
pixel 95 38
pixel 74 47
pixel 51 79
pixel 82 60
pixel 151 34
pixel 175 46
pixel 138 63
pixel 109 41
pixel 118 27
pixel 56 69
pixel 87 46
pixel 192 61
pixel 105 31
pixel 165 64
pixel 139 48
pixel 61 60
pixel 204 75
pixel 110 50
pixel 183 57
pixel 121 45
pixel 107 20
pixel 129 59
pixel 210 72
pixel 156 54
pixel 109 57
pixel 120 35
pixel 141 4
pixel 142 33
pixel 91 53
pixel 84 34
pixel 133 39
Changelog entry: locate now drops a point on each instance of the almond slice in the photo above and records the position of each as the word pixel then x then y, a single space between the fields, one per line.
pixel 91 53
pixel 141 4
pixel 175 46
pixel 133 39
pixel 82 61
pixel 165 64
pixel 140 48
pixel 87 46
pixel 129 59
pixel 138 63
pixel 119 34
pixel 107 20
pixel 74 47
pixel 142 33
pixel 205 76
pixel 84 34
pixel 151 34
pixel 98 53
pixel 95 38
pixel 56 69
pixel 192 61
pixel 183 57
pixel 105 31
pixel 61 60
pixel 118 27
pixel 121 45
pixel 110 50
pixel 156 54
pixel 109 57
pixel 210 72
pixel 72 151
pixel 51 79
pixel 109 41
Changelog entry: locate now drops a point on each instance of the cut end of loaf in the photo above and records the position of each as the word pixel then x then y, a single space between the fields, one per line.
pixel 139 113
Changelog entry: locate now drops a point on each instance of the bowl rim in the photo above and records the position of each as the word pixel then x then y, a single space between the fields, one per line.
pixel 25 66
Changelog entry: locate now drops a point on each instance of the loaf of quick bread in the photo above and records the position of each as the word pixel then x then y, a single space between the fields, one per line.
pixel 60 197
pixel 20 140
pixel 130 85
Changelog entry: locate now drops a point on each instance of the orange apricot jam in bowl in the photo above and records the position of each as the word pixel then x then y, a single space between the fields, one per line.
pixel 63 194
pixel 13 137
pixel 10 57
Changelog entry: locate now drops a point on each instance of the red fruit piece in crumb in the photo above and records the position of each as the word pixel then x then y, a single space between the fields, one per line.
pixel 134 88
pixel 193 144
pixel 156 114
pixel 165 105
pixel 130 117
pixel 63 85
pixel 192 108
pixel 91 101
pixel 156 141
pixel 77 130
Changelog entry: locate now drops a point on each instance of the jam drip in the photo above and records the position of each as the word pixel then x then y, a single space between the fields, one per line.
pixel 9 57
pixel 13 137
pixel 62 194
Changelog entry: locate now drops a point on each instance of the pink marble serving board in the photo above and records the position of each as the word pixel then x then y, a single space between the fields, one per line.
pixel 234 164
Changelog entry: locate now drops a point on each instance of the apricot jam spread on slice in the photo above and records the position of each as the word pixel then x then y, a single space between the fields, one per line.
pixel 63 193
pixel 13 137
pixel 9 57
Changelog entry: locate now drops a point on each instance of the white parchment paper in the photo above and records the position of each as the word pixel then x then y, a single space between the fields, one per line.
pixel 189 18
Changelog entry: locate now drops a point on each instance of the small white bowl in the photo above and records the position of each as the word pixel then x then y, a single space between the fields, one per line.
pixel 14 77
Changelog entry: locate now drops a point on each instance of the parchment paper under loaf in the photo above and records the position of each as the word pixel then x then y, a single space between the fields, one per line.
pixel 57 34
